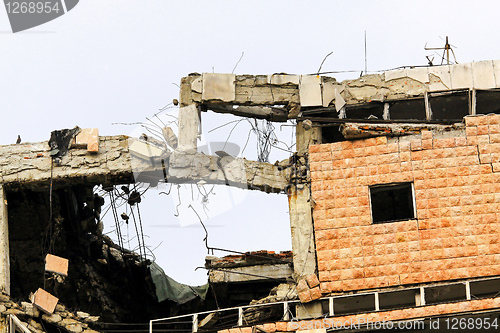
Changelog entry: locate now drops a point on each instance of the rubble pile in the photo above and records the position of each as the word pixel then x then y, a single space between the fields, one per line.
pixel 37 321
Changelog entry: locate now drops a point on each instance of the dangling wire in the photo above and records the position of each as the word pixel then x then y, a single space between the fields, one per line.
pixel 142 230
pixel 136 231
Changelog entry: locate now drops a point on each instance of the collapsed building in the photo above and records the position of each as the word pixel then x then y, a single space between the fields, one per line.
pixel 393 197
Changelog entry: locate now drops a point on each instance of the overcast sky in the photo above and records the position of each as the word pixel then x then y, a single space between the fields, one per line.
pixel 116 61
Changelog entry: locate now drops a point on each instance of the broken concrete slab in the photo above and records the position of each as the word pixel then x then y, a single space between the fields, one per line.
pixel 329 90
pixel 439 78
pixel 310 90
pixel 280 79
pixel 170 137
pixel 339 100
pixel 143 149
pixel 218 87
pixel 365 130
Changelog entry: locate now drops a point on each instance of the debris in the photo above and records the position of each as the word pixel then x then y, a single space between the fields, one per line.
pixel 45 301
pixel 170 137
pixel 56 264
pixel 61 140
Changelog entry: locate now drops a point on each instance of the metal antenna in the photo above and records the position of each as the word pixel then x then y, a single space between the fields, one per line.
pixel 366 66
pixel 446 51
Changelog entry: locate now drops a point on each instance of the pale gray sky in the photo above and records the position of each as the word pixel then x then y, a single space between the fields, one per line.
pixel 110 61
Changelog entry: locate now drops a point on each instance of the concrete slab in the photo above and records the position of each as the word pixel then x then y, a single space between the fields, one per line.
pixel 218 87
pixel 443 81
pixel 420 74
pixel 143 150
pixel 395 74
pixel 496 72
pixel 461 76
pixel 279 79
pixel 339 100
pixel 310 90
pixel 483 75
pixel 197 85
pixel 328 93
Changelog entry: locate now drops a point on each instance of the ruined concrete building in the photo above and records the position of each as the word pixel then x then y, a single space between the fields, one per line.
pixel 393 194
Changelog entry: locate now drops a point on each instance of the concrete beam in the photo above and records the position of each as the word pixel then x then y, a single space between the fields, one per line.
pixel 258 112
pixel 237 172
pixel 250 90
pixel 29 166
pixel 251 273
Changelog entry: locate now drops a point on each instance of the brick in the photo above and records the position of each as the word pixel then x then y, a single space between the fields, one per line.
pixel 472 140
pixel 416 145
pixel 426 144
pixel 471 120
pixel 270 327
pixel 426 135
pixel 315 293
pixel 56 264
pixel 88 138
pixel 281 326
pixel 312 281
pixel 305 296
pixel 234 330
pixel 482 120
pixel 381 140
pixel 246 329
pixel 45 301
pixel 482 130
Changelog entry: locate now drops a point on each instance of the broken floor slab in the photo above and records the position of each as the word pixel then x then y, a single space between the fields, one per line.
pixel 252 266
pixel 367 130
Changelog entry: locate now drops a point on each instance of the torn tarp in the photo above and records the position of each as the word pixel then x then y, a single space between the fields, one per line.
pixel 168 288
pixel 60 141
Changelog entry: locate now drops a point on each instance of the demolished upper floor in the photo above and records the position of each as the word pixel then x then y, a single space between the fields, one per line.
pixel 438 94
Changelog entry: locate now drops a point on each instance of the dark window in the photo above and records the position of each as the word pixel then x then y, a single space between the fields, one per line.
pixel 392 202
pixel 445 106
pixel 408 109
pixel 487 101
pixel 374 109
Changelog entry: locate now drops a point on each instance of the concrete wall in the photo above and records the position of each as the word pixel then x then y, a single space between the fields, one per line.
pixel 456 177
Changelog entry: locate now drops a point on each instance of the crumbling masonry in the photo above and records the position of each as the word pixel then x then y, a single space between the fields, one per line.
pixel 393 196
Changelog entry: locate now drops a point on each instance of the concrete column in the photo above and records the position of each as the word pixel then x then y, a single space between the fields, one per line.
pixel 304 255
pixel 189 124
pixel 299 201
pixel 4 244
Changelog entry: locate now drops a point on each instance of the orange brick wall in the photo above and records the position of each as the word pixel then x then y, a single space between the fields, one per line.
pixel 456 176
